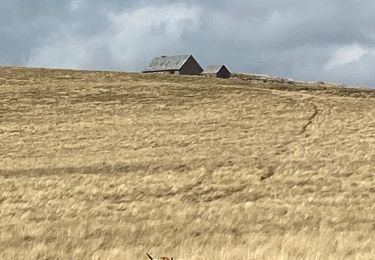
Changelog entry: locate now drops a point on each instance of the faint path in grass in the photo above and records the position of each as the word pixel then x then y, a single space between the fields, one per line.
pixel 310 120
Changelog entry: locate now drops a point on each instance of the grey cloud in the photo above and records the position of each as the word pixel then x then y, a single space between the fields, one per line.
pixel 291 38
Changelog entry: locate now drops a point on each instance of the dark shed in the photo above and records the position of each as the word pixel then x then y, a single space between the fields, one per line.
pixel 217 71
pixel 181 65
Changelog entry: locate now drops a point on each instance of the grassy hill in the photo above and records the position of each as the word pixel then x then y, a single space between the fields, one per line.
pixel 108 165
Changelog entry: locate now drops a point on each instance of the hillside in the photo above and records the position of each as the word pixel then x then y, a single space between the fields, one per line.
pixel 109 165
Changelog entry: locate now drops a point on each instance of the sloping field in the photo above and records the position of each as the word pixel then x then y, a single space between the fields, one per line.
pixel 105 165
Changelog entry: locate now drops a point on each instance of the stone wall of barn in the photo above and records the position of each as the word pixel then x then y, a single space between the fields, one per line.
pixel 223 73
pixel 191 67
pixel 164 72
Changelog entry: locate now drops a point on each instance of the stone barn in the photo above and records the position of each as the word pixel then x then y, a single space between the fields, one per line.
pixel 217 71
pixel 179 65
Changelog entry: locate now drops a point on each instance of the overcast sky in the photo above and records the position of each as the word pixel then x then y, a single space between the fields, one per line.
pixel 332 40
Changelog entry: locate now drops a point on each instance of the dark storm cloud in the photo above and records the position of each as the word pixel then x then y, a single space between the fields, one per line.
pixel 311 39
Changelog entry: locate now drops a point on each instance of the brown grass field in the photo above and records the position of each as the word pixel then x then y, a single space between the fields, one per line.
pixel 108 165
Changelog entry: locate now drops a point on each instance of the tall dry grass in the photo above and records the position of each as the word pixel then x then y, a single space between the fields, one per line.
pixel 106 165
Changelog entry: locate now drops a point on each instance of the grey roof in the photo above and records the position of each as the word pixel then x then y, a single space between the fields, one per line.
pixel 213 69
pixel 164 63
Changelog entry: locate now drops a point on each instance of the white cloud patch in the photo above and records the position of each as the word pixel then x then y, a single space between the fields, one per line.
pixel 150 31
pixel 75 5
pixel 346 55
pixel 131 38
pixel 66 50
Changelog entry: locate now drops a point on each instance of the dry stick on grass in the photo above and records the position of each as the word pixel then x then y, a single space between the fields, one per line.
pixel 161 258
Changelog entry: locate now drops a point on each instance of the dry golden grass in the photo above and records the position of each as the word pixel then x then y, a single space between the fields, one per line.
pixel 105 165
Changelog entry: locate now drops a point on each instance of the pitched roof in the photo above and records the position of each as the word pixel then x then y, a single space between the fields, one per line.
pixel 164 63
pixel 213 69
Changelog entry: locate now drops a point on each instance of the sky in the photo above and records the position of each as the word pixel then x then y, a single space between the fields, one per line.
pixel 325 40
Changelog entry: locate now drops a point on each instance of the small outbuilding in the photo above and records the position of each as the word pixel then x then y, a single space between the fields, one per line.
pixel 179 65
pixel 217 71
